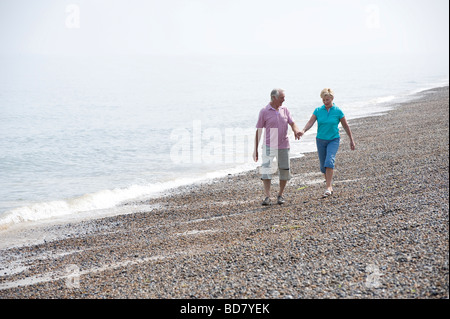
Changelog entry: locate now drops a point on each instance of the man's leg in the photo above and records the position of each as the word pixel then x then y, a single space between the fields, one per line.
pixel 266 170
pixel 284 171
pixel 266 183
pixel 282 186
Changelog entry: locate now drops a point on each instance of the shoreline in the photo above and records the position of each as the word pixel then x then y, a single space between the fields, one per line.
pixel 86 206
pixel 384 234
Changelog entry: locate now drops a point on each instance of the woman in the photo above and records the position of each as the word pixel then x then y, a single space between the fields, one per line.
pixel 328 117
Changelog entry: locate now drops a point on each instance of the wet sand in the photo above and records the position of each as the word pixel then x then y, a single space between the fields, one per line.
pixel 382 234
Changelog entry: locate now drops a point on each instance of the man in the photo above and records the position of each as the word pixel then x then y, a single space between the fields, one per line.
pixel 274 118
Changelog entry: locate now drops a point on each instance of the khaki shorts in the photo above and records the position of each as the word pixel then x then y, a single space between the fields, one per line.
pixel 268 167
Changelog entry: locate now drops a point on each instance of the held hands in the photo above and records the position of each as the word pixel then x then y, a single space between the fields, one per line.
pixel 298 134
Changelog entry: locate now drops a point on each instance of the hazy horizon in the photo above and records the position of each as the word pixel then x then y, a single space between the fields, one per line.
pixel 202 27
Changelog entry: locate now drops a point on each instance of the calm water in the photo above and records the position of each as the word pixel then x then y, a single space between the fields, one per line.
pixel 84 134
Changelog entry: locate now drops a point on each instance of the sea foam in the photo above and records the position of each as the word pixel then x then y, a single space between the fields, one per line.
pixel 104 199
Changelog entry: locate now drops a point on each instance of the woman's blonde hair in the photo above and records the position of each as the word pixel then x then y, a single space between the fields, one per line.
pixel 327 92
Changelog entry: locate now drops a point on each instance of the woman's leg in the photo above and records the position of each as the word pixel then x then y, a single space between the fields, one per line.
pixel 329 178
pixel 322 153
pixel 330 159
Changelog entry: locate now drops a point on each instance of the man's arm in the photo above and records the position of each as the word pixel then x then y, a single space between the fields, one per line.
pixel 296 130
pixel 257 139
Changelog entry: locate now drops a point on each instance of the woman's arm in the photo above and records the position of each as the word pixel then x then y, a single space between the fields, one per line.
pixel 349 133
pixel 308 125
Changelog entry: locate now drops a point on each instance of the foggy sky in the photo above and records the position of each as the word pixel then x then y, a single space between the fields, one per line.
pixel 99 27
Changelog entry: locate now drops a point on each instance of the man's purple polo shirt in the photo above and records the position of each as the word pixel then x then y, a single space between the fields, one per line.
pixel 275 121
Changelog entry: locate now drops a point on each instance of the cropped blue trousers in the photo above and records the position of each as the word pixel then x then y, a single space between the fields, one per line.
pixel 327 150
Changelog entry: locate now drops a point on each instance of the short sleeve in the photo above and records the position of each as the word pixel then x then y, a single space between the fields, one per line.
pixel 261 122
pixel 290 119
pixel 316 112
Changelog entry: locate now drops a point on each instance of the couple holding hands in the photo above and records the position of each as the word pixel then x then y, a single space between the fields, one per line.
pixel 274 118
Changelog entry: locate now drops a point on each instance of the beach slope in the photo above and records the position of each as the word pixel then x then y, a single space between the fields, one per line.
pixel 382 234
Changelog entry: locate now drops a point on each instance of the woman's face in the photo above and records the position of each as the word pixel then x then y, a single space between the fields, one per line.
pixel 328 101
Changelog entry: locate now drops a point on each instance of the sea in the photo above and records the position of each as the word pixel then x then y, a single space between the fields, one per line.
pixel 81 136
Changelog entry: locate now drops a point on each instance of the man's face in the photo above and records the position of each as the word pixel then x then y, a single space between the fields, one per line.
pixel 279 101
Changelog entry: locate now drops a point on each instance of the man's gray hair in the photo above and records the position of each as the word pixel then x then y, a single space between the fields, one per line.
pixel 275 93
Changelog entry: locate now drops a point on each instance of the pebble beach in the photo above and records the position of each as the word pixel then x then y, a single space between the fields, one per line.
pixel 383 234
